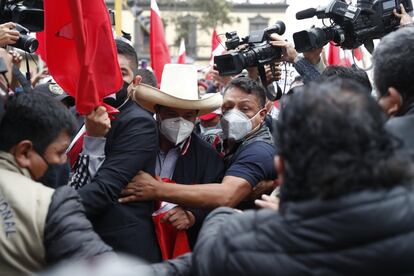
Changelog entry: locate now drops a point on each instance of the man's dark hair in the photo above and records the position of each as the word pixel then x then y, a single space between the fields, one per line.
pixel 393 61
pixel 250 87
pixel 333 142
pixel 148 77
pixel 349 73
pixel 129 52
pixel 35 117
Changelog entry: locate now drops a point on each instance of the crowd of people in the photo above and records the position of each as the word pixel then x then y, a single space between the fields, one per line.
pixel 210 176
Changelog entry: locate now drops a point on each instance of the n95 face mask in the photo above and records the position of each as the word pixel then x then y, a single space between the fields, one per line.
pixel 235 124
pixel 176 130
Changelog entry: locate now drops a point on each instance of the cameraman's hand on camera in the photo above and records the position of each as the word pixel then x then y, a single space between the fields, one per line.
pixel 289 53
pixel 405 18
pixel 8 36
pixel 277 72
pixel 97 123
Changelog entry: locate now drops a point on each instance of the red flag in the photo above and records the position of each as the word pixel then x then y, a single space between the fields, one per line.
pixel 159 49
pixel 81 53
pixel 173 243
pixel 217 47
pixel 41 51
pixel 181 52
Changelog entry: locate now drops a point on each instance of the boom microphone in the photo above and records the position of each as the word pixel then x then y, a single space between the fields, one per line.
pixel 308 13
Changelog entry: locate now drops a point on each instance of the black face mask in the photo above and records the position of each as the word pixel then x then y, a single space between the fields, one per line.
pixel 120 97
pixel 56 175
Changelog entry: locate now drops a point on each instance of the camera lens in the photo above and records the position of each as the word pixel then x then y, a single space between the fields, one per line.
pixel 27 43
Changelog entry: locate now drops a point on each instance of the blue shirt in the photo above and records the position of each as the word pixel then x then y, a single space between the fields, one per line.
pixel 254 163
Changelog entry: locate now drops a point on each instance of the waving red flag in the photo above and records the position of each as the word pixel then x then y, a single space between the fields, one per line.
pixel 159 49
pixel 81 54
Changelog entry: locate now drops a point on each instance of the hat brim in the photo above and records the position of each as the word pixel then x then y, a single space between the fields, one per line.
pixel 148 97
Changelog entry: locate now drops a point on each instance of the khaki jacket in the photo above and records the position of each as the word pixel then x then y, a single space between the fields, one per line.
pixel 24 205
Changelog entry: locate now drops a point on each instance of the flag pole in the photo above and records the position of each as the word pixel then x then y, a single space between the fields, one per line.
pixel 118 17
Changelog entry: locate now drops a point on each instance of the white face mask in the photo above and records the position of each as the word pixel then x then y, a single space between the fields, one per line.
pixel 176 129
pixel 236 125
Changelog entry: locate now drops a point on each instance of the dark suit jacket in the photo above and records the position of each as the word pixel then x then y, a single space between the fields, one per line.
pixel 131 146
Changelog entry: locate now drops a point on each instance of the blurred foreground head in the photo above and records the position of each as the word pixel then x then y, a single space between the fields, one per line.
pixel 332 142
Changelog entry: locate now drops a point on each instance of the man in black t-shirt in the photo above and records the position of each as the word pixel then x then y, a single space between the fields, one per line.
pixel 249 157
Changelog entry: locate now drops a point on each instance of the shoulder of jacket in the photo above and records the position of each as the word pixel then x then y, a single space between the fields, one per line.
pixel 21 180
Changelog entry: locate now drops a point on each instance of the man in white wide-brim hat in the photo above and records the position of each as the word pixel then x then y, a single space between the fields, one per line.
pixel 183 157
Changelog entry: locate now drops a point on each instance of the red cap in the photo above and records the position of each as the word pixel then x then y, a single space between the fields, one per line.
pixel 208 116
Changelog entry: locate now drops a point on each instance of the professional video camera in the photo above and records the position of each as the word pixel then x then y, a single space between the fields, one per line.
pixel 352 26
pixel 255 51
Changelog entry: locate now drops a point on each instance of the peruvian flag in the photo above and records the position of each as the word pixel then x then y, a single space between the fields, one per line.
pixel 159 49
pixel 339 56
pixel 181 52
pixel 217 47
pixel 80 51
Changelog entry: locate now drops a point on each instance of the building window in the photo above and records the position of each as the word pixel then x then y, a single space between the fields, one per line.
pixel 258 23
pixel 189 24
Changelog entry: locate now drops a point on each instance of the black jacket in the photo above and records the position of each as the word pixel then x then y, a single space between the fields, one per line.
pixel 364 233
pixel 199 164
pixel 403 128
pixel 68 233
pixel 131 146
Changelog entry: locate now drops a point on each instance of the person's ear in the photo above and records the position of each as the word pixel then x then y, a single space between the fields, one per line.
pixel 23 153
pixel 392 102
pixel 135 82
pixel 280 168
pixel 262 114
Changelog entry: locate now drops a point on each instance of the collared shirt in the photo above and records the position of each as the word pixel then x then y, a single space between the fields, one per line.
pixel 166 162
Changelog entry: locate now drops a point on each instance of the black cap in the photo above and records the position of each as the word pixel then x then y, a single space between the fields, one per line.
pixel 55 91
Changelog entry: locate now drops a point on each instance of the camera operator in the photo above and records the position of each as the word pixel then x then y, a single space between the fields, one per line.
pixel 306 65
pixel 8 34
pixel 309 66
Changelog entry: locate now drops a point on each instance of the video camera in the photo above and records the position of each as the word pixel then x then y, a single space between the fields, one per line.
pixel 352 26
pixel 257 52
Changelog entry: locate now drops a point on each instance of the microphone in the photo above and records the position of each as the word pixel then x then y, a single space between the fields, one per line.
pixel 308 13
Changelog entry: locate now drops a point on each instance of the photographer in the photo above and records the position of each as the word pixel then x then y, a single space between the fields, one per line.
pixel 306 65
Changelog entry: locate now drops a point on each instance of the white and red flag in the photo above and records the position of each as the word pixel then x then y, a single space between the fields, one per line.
pixel 217 47
pixel 339 56
pixel 158 45
pixel 181 52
